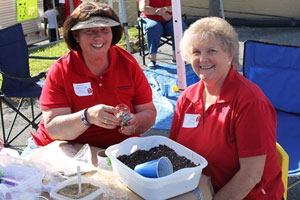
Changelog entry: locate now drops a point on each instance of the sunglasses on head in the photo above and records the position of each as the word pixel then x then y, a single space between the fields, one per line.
pixel 92 7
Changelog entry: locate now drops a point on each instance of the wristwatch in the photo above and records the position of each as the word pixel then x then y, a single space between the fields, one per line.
pixel 84 118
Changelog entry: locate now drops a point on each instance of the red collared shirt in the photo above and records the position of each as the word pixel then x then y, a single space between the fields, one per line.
pixel 70 84
pixel 242 123
pixel 158 4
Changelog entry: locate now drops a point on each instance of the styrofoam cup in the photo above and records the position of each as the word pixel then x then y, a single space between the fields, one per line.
pixel 155 168
pixel 102 160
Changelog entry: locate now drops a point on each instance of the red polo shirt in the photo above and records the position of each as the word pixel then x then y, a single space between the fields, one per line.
pixel 69 83
pixel 158 4
pixel 242 123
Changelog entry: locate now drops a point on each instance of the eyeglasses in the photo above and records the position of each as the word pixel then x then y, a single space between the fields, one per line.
pixel 93 7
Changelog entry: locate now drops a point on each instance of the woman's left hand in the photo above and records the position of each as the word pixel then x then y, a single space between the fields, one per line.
pixel 161 11
pixel 167 16
pixel 131 126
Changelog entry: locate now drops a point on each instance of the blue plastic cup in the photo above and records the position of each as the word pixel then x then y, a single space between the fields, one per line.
pixel 155 168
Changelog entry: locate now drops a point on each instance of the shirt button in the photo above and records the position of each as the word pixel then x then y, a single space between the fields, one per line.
pixel 100 77
pixel 100 84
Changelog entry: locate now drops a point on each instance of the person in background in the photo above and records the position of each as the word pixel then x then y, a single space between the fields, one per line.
pixel 61 12
pixel 69 5
pixel 83 87
pixel 50 22
pixel 157 21
pixel 226 118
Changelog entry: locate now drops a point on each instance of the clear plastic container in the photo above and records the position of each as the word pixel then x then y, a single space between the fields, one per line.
pixel 26 182
pixel 179 182
pixel 96 195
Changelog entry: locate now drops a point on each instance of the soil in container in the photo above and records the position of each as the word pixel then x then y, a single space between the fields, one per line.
pixel 142 156
pixel 71 191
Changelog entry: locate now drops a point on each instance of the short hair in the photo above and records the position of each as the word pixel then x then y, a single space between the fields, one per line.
pixel 49 5
pixel 210 28
pixel 103 10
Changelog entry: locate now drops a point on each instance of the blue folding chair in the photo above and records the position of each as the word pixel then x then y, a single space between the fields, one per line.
pixel 17 82
pixel 276 70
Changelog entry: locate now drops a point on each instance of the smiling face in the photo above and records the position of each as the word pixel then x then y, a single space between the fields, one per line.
pixel 94 42
pixel 210 61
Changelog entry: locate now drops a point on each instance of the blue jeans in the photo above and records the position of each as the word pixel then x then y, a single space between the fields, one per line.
pixel 30 147
pixel 155 29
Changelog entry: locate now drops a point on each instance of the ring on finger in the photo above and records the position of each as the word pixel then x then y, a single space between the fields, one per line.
pixel 105 121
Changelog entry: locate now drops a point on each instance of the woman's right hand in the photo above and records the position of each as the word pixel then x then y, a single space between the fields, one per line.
pixel 103 116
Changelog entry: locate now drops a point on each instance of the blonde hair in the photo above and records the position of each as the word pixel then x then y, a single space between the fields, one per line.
pixel 211 28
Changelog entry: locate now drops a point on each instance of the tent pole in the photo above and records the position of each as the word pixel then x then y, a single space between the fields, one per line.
pixel 110 3
pixel 123 19
pixel 177 26
pixel 56 27
pixel 222 9
pixel 71 6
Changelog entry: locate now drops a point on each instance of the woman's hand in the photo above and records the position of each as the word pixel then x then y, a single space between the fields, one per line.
pixel 167 16
pixel 161 11
pixel 142 119
pixel 103 116
pixel 131 126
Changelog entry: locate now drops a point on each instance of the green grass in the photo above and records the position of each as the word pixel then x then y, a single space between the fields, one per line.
pixel 39 65
pixel 59 49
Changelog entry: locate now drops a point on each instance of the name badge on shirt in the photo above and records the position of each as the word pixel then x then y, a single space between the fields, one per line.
pixel 83 89
pixel 191 120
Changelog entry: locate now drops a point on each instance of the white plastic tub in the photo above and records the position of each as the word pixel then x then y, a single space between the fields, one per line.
pixel 96 195
pixel 179 182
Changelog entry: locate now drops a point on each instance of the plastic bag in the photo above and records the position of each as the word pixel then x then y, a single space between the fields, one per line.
pixel 84 154
pixel 28 182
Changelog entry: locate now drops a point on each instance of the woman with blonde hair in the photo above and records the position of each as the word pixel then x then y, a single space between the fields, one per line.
pixel 226 118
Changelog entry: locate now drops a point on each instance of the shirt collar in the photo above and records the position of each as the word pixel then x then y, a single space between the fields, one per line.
pixel 227 93
pixel 230 87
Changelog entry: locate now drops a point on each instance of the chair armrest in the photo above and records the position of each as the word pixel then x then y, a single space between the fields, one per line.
pixel 41 57
pixel 39 76
pixel 29 79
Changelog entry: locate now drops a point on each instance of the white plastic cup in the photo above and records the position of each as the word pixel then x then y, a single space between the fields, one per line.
pixel 102 160
pixel 155 168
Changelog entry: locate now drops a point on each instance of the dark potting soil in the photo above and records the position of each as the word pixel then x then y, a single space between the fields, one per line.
pixel 141 156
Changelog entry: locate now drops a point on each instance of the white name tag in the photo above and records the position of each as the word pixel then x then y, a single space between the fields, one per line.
pixel 191 120
pixel 83 89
